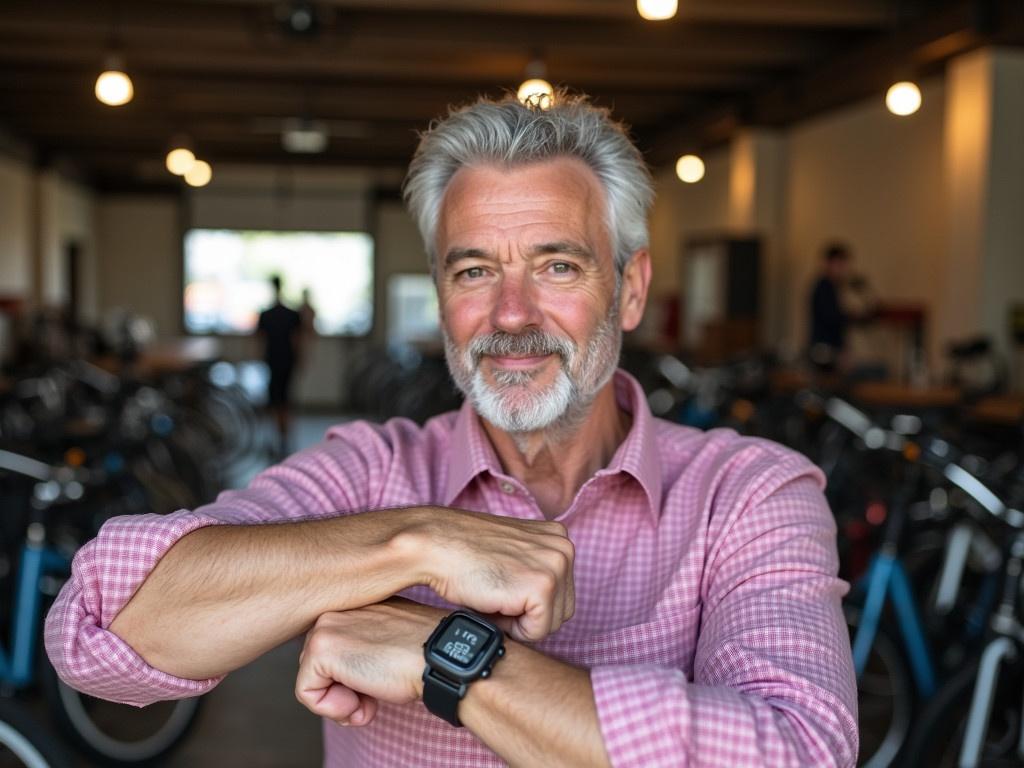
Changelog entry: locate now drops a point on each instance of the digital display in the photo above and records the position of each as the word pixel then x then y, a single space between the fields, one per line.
pixel 462 642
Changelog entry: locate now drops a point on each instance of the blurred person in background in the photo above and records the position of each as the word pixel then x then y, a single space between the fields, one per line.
pixel 838 299
pixel 669 596
pixel 280 329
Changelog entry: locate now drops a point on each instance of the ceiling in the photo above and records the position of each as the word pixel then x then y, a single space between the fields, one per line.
pixel 229 73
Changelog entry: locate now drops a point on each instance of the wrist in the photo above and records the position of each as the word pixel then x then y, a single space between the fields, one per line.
pixel 412 546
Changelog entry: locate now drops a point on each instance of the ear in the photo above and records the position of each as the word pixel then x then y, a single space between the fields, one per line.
pixel 636 280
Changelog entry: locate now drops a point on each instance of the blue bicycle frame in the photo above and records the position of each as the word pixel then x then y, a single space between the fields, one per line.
pixel 37 561
pixel 887 576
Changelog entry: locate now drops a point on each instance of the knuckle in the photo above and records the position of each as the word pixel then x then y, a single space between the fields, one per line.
pixel 318 642
pixel 547 581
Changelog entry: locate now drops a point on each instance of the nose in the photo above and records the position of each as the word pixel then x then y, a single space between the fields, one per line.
pixel 516 307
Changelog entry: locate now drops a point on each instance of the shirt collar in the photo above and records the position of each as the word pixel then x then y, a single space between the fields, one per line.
pixel 472 453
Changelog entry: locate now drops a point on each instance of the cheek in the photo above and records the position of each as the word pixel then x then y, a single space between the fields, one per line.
pixel 464 314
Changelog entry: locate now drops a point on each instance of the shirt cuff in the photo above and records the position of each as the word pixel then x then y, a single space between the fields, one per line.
pixel 642 714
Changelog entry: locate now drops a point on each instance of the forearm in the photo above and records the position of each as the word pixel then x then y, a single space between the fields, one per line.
pixel 223 595
pixel 535 710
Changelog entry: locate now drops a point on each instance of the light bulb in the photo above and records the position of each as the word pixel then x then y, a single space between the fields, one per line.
pixel 199 174
pixel 657 10
pixel 536 93
pixel 114 88
pixel 903 98
pixel 690 168
pixel 180 160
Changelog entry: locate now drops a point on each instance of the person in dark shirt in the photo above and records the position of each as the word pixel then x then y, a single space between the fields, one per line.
pixel 829 320
pixel 280 329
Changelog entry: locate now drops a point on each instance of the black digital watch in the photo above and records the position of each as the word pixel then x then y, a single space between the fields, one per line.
pixel 463 648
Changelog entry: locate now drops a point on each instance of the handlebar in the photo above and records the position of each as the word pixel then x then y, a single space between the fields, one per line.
pixel 934 452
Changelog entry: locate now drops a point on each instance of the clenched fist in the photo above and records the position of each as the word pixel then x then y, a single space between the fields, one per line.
pixel 518 571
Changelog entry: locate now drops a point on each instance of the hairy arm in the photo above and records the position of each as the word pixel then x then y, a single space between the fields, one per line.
pixel 161 606
pixel 224 595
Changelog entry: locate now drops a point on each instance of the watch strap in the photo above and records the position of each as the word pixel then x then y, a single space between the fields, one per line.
pixel 442 696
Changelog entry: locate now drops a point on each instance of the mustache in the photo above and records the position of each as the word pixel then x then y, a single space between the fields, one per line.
pixel 532 343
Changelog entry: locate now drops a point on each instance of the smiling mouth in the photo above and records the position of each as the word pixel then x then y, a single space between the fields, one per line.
pixel 518 362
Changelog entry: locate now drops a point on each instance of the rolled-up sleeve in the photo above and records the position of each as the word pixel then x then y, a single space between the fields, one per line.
pixel 773 680
pixel 105 574
pixel 328 480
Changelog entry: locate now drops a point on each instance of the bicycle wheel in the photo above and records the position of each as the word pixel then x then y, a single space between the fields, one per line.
pixel 24 742
pixel 939 731
pixel 885 699
pixel 119 734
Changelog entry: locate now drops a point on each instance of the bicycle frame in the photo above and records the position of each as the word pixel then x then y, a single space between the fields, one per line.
pixel 886 576
pixel 17 663
pixel 1001 651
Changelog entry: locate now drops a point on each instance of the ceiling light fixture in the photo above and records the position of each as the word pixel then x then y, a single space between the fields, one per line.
pixel 304 136
pixel 903 98
pixel 199 175
pixel 535 90
pixel 180 160
pixel 690 168
pixel 657 10
pixel 113 87
pixel 180 157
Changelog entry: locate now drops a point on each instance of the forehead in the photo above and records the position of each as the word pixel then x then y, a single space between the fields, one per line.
pixel 562 193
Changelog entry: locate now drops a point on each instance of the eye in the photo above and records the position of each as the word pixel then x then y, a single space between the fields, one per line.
pixel 562 268
pixel 472 273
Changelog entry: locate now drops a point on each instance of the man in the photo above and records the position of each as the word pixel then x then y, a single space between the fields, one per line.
pixel 669 595
pixel 830 319
pixel 281 328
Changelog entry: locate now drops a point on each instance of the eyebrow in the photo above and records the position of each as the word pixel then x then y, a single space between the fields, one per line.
pixel 567 247
pixel 458 254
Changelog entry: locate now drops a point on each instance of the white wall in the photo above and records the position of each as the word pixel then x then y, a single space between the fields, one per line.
pixel 682 211
pixel 67 214
pixel 874 181
pixel 139 246
pixel 16 237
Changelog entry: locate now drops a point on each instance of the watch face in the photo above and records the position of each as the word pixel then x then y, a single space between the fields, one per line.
pixel 462 642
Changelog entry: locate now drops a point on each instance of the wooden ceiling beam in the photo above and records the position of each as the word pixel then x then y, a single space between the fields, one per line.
pixel 466 68
pixel 845 13
pixel 380 35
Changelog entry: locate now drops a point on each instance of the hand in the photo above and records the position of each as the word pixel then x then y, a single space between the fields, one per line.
pixel 520 572
pixel 353 659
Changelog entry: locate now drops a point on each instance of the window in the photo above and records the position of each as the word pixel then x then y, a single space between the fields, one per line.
pixel 412 309
pixel 228 271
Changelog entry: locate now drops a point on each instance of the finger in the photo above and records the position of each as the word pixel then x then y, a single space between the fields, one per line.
pixel 335 701
pixel 365 712
pixel 570 602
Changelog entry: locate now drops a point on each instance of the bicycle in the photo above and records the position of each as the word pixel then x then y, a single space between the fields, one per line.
pixel 990 732
pixel 113 734
pixel 25 739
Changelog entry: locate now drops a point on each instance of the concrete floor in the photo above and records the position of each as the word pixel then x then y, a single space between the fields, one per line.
pixel 252 719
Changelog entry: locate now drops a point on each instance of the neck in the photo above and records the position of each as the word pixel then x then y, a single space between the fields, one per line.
pixel 554 463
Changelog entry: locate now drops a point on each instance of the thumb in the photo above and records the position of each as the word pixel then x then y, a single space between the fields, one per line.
pixel 335 702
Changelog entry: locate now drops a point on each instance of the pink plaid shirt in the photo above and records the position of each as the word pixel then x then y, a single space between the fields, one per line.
pixel 707 603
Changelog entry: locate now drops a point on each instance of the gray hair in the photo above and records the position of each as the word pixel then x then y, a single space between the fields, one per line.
pixel 509 133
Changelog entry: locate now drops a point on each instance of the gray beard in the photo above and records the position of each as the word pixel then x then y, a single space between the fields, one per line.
pixel 510 404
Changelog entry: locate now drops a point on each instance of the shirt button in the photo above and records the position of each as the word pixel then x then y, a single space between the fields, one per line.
pixel 507 487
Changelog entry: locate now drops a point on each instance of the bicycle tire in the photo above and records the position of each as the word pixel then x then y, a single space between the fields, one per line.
pixel 27 740
pixel 938 732
pixel 73 713
pixel 885 701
